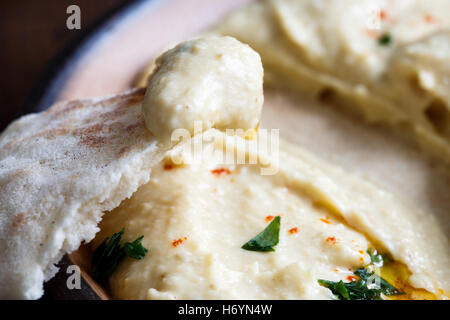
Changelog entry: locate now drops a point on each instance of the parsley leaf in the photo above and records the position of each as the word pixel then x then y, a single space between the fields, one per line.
pixel 338 288
pixel 135 249
pixel 370 286
pixel 385 287
pixel 376 258
pixel 267 239
pixel 385 39
pixel 355 290
pixel 110 253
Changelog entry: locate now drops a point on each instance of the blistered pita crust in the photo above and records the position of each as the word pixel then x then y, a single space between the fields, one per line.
pixel 59 170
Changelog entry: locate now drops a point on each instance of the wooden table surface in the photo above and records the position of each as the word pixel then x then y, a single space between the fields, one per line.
pixel 32 33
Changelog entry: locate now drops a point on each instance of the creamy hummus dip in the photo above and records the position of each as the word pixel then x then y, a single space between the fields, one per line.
pixel 387 60
pixel 199 80
pixel 195 217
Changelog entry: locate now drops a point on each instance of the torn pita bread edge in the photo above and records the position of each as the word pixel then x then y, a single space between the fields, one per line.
pixel 60 170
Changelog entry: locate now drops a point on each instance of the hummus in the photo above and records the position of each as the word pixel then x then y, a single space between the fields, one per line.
pixel 195 216
pixel 199 79
pixel 387 60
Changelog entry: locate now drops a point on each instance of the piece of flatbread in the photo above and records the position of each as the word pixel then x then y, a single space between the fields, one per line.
pixel 59 171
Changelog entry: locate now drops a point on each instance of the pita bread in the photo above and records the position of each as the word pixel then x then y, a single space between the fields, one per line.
pixel 59 171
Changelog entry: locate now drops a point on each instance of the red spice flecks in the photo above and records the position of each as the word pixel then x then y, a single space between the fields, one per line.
pixel 269 218
pixel 176 243
pixel 361 259
pixel 168 166
pixel 331 240
pixel 219 171
pixel 326 220
pixel 351 278
pixel 383 15
pixel 361 252
pixel 429 18
pixel 293 230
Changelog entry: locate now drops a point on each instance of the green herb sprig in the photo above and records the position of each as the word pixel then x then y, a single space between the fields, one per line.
pixel 267 239
pixel 110 253
pixel 385 39
pixel 362 289
pixel 385 287
pixel 377 259
pixel 370 286
pixel 355 290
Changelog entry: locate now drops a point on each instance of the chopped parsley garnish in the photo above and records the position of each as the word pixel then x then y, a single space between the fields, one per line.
pixel 385 39
pixel 339 288
pixel 110 253
pixel 377 282
pixel 355 290
pixel 135 249
pixel 376 258
pixel 369 286
pixel 267 239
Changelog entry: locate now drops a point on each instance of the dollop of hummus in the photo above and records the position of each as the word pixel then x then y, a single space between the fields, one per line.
pixel 215 80
pixel 196 216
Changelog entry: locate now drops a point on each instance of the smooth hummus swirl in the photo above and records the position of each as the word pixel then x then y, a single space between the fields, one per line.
pixel 217 80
